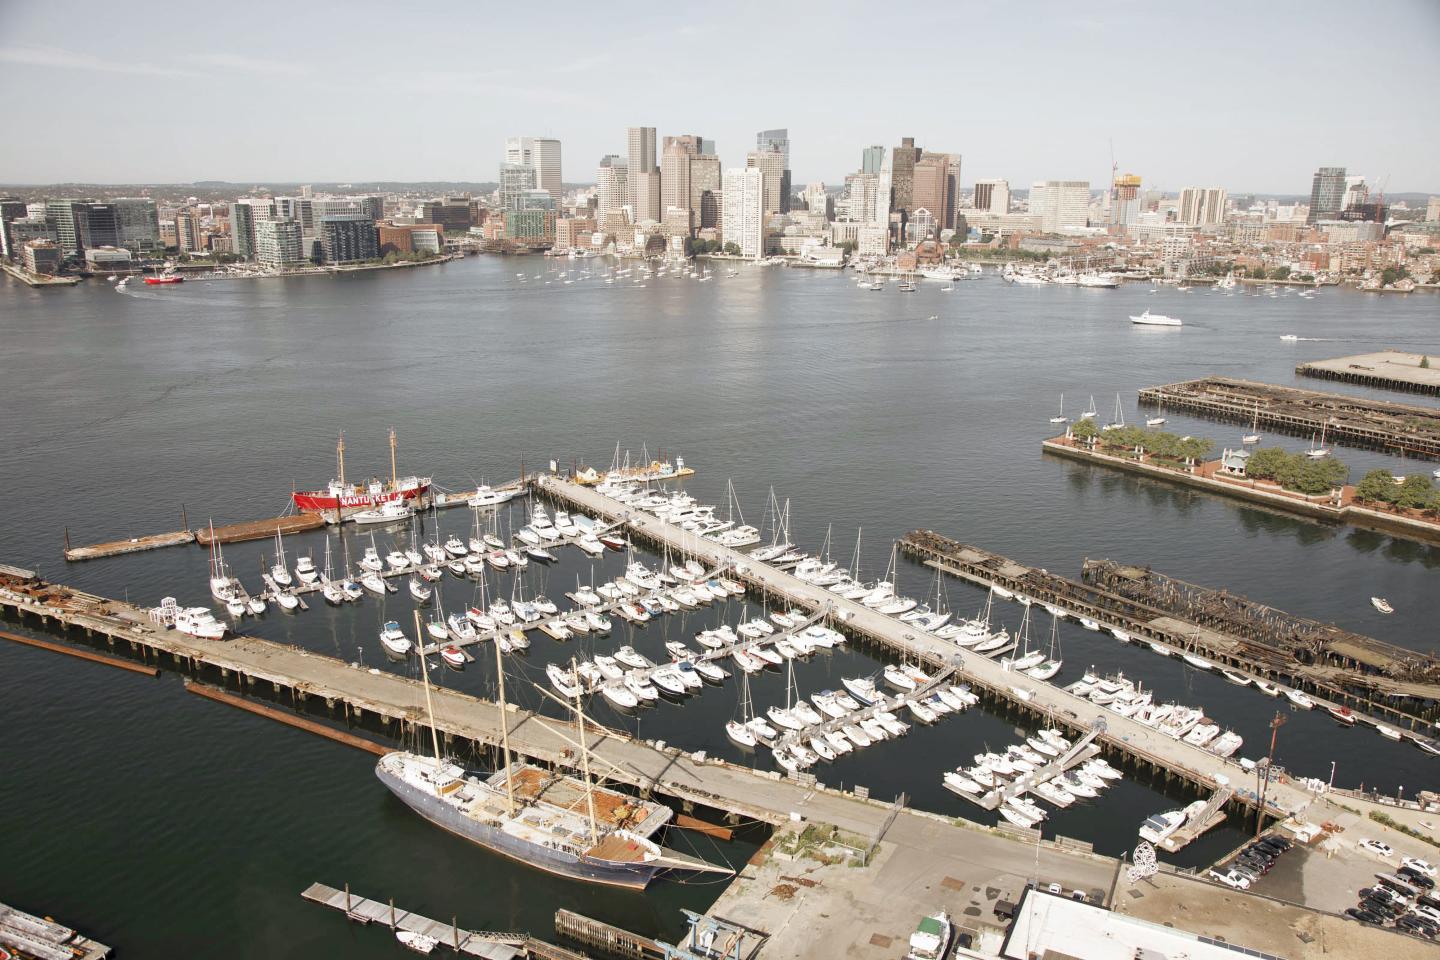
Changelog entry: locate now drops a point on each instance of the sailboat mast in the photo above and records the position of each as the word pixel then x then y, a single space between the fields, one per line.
pixel 394 474
pixel 340 457
pixel 425 675
pixel 584 756
pixel 504 732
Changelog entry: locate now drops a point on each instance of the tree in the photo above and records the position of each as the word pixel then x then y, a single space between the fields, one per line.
pixel 1377 486
pixel 1416 493
pixel 733 249
pixel 1315 476
pixel 1194 449
pixel 1267 463
pixel 1084 430
pixel 1280 273
pixel 1425 362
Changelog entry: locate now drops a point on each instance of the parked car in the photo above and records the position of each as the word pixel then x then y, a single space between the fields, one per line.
pixel 1424 866
pixel 1232 878
pixel 1363 915
pixel 1377 847
pixel 1415 878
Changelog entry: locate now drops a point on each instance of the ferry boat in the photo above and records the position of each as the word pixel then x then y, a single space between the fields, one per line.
pixel 1155 320
pixel 549 820
pixel 165 279
pixel 341 500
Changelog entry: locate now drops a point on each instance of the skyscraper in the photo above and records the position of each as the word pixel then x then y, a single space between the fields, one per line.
pixel 705 183
pixel 545 158
pixel 675 178
pixel 771 163
pixel 744 216
pixel 245 216
pixel 612 185
pixel 1202 206
pixel 520 150
pixel 930 188
pixel 778 141
pixel 278 243
pixel 992 196
pixel 641 142
pixel 902 173
pixel 62 214
pixel 1327 191
pixel 871 159
pixel 1124 200
pixel 1060 204
pixel 515 179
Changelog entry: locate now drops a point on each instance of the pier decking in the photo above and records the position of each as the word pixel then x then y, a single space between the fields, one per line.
pixel 44 939
pixel 470 943
pixel 1386 369
pixel 1373 424
pixel 1346 668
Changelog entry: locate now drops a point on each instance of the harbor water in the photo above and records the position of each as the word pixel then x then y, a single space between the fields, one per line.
pixel 165 824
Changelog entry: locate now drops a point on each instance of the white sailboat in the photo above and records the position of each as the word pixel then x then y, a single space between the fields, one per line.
pixel 742 731
pixel 280 571
pixel 1159 418
pixel 1060 418
pixel 1051 665
pixel 1320 452
pixel 1090 412
pixel 1119 420
pixel 1254 435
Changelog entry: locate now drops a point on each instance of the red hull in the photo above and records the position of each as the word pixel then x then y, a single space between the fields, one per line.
pixel 323 501
pixel 158 280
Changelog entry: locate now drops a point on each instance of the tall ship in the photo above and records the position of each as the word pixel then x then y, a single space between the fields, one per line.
pixel 342 499
pixel 546 819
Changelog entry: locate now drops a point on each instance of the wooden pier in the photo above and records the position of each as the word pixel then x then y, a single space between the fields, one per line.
pixel 260 529
pixel 1372 424
pixel 606 938
pixel 1385 370
pixel 1306 660
pixel 1203 821
pixel 41 938
pixel 116 548
pixel 470 943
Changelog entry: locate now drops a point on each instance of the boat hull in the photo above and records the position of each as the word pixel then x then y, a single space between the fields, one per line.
pixel 634 876
pixel 347 505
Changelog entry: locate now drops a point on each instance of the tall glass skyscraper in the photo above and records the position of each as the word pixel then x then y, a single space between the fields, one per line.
pixel 1327 193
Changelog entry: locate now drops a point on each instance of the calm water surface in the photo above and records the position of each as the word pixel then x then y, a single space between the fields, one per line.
pixel 163 824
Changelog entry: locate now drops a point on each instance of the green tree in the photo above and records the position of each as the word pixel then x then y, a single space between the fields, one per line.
pixel 1195 449
pixel 1377 486
pixel 1317 476
pixel 1425 362
pixel 1267 463
pixel 1084 430
pixel 733 249
pixel 1416 493
pixel 1280 273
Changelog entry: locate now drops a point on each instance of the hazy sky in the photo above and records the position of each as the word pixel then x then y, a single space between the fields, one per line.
pixel 1245 95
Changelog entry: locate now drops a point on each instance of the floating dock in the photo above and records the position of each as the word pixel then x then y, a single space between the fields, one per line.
pixel 1385 370
pixel 1199 823
pixel 44 939
pixel 115 548
pixel 260 529
pixel 1372 424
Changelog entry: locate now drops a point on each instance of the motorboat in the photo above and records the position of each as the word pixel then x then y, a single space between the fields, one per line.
pixel 1161 826
pixel 1155 320
pixel 420 590
pixel 453 656
pixel 391 511
pixel 1381 604
pixel 1299 699
pixel 394 640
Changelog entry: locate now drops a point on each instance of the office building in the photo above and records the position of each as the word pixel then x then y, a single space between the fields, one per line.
pixel 858 203
pixel 25 229
pixel 451 213
pixel 61 213
pixel 931 189
pixel 137 223
pixel 743 221
pixel 96 225
pixel 545 158
pixel 1124 200
pixel 515 179
pixel 108 260
pixel 536 199
pixel 705 183
pixel 641 153
pixel 42 256
pixel 778 141
pixel 1060 205
pixel 11 209
pixel 902 173
pixel 530 228
pixel 992 196
pixel 279 243
pixel 1327 193
pixel 612 186
pixel 1202 206
pixel 1432 210
pixel 348 238
pixel 187 231
pixel 817 200
pixel 245 214
pixel 675 178
pixel 519 151
pixel 871 159
pixel 771 164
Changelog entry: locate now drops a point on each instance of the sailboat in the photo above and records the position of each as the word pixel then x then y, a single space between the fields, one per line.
pixel 223 586
pixel 1060 418
pixel 1317 453
pixel 1028 658
pixel 740 731
pixel 540 817
pixel 332 591
pixel 1119 420
pixel 1254 435
pixel 1158 419
pixel 1090 412
pixel 280 572
pixel 1052 664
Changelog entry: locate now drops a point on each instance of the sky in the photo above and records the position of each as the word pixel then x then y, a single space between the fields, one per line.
pixel 1244 95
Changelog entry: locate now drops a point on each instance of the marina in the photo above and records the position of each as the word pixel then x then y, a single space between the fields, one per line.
pixel 1357 421
pixel 40 938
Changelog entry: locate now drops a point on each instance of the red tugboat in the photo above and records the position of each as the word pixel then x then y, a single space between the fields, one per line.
pixel 165 278
pixel 342 499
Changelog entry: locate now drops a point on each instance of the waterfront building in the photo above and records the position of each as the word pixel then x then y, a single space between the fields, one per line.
pixel 861 190
pixel 279 243
pixel 515 179
pixel 299 209
pixel 1124 200
pixel 137 224
pixel 61 213
pixel 187 231
pixel 931 189
pixel 778 141
pixel 612 186
pixel 95 223
pixel 572 233
pixel 1060 204
pixel 744 210
pixel 43 256
pixel 675 192
pixel 646 187
pixel 11 209
pixel 992 196
pixel 348 239
pixel 871 159
pixel 771 164
pixel 245 213
pixel 532 228
pixel 1202 206
pixel 1327 193
pixel 640 142
pixel 451 213
pixel 705 184
pixel 108 260
pixel 21 231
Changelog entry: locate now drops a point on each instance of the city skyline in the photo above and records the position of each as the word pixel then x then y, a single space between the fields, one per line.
pixel 348 109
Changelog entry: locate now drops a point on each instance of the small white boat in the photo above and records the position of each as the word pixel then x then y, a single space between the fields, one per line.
pixel 1381 604
pixel 417 942
pixel 1300 700
pixel 453 656
pixel 393 639
pixel 1238 679
pixel 1155 320
pixel 392 511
